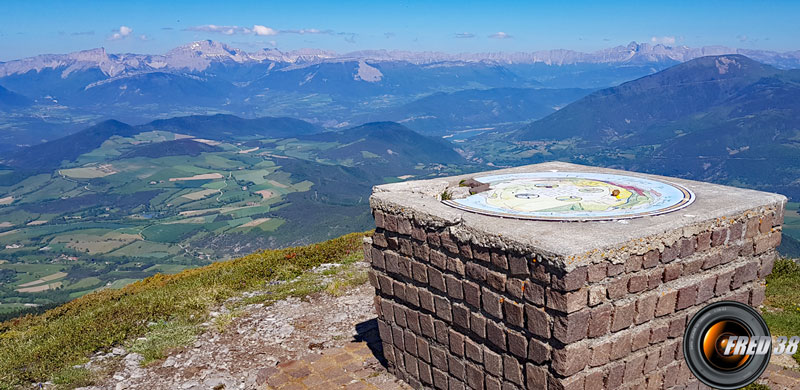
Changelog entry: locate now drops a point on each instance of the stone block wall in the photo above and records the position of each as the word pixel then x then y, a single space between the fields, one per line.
pixel 456 313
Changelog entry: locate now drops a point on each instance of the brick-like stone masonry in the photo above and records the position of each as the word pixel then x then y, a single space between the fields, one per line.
pixel 456 315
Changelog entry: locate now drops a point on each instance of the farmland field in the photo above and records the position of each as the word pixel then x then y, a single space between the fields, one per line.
pixel 143 204
pixel 105 220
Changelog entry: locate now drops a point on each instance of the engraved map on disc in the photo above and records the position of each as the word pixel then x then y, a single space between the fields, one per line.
pixel 573 196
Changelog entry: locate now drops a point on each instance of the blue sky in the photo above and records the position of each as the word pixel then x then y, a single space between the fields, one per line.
pixel 34 27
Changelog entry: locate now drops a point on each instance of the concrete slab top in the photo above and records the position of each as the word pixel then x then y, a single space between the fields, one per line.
pixel 574 240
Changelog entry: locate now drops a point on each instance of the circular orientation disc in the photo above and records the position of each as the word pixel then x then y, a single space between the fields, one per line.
pixel 573 196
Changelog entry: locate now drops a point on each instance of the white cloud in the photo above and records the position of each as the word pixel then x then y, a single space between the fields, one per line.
pixel 742 38
pixel 263 30
pixel 231 30
pixel 122 33
pixel 465 35
pixel 665 40
pixel 500 35
pixel 304 31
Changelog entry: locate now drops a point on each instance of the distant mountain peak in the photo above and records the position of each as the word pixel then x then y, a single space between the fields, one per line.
pixel 726 66
pixel 206 48
pixel 95 54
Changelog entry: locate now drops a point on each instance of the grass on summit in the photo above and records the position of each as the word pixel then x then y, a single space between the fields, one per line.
pixel 46 347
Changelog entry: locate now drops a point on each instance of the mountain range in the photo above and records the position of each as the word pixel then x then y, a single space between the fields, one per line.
pixel 215 74
pixel 204 55
pixel 54 92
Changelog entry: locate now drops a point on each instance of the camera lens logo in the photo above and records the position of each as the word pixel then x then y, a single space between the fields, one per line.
pixel 727 345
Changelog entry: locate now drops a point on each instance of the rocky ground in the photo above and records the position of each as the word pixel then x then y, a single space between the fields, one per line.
pixel 261 343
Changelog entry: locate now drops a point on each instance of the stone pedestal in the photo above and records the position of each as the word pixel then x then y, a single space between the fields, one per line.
pixel 476 301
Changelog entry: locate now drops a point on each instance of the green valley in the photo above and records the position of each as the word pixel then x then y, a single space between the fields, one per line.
pixel 149 201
